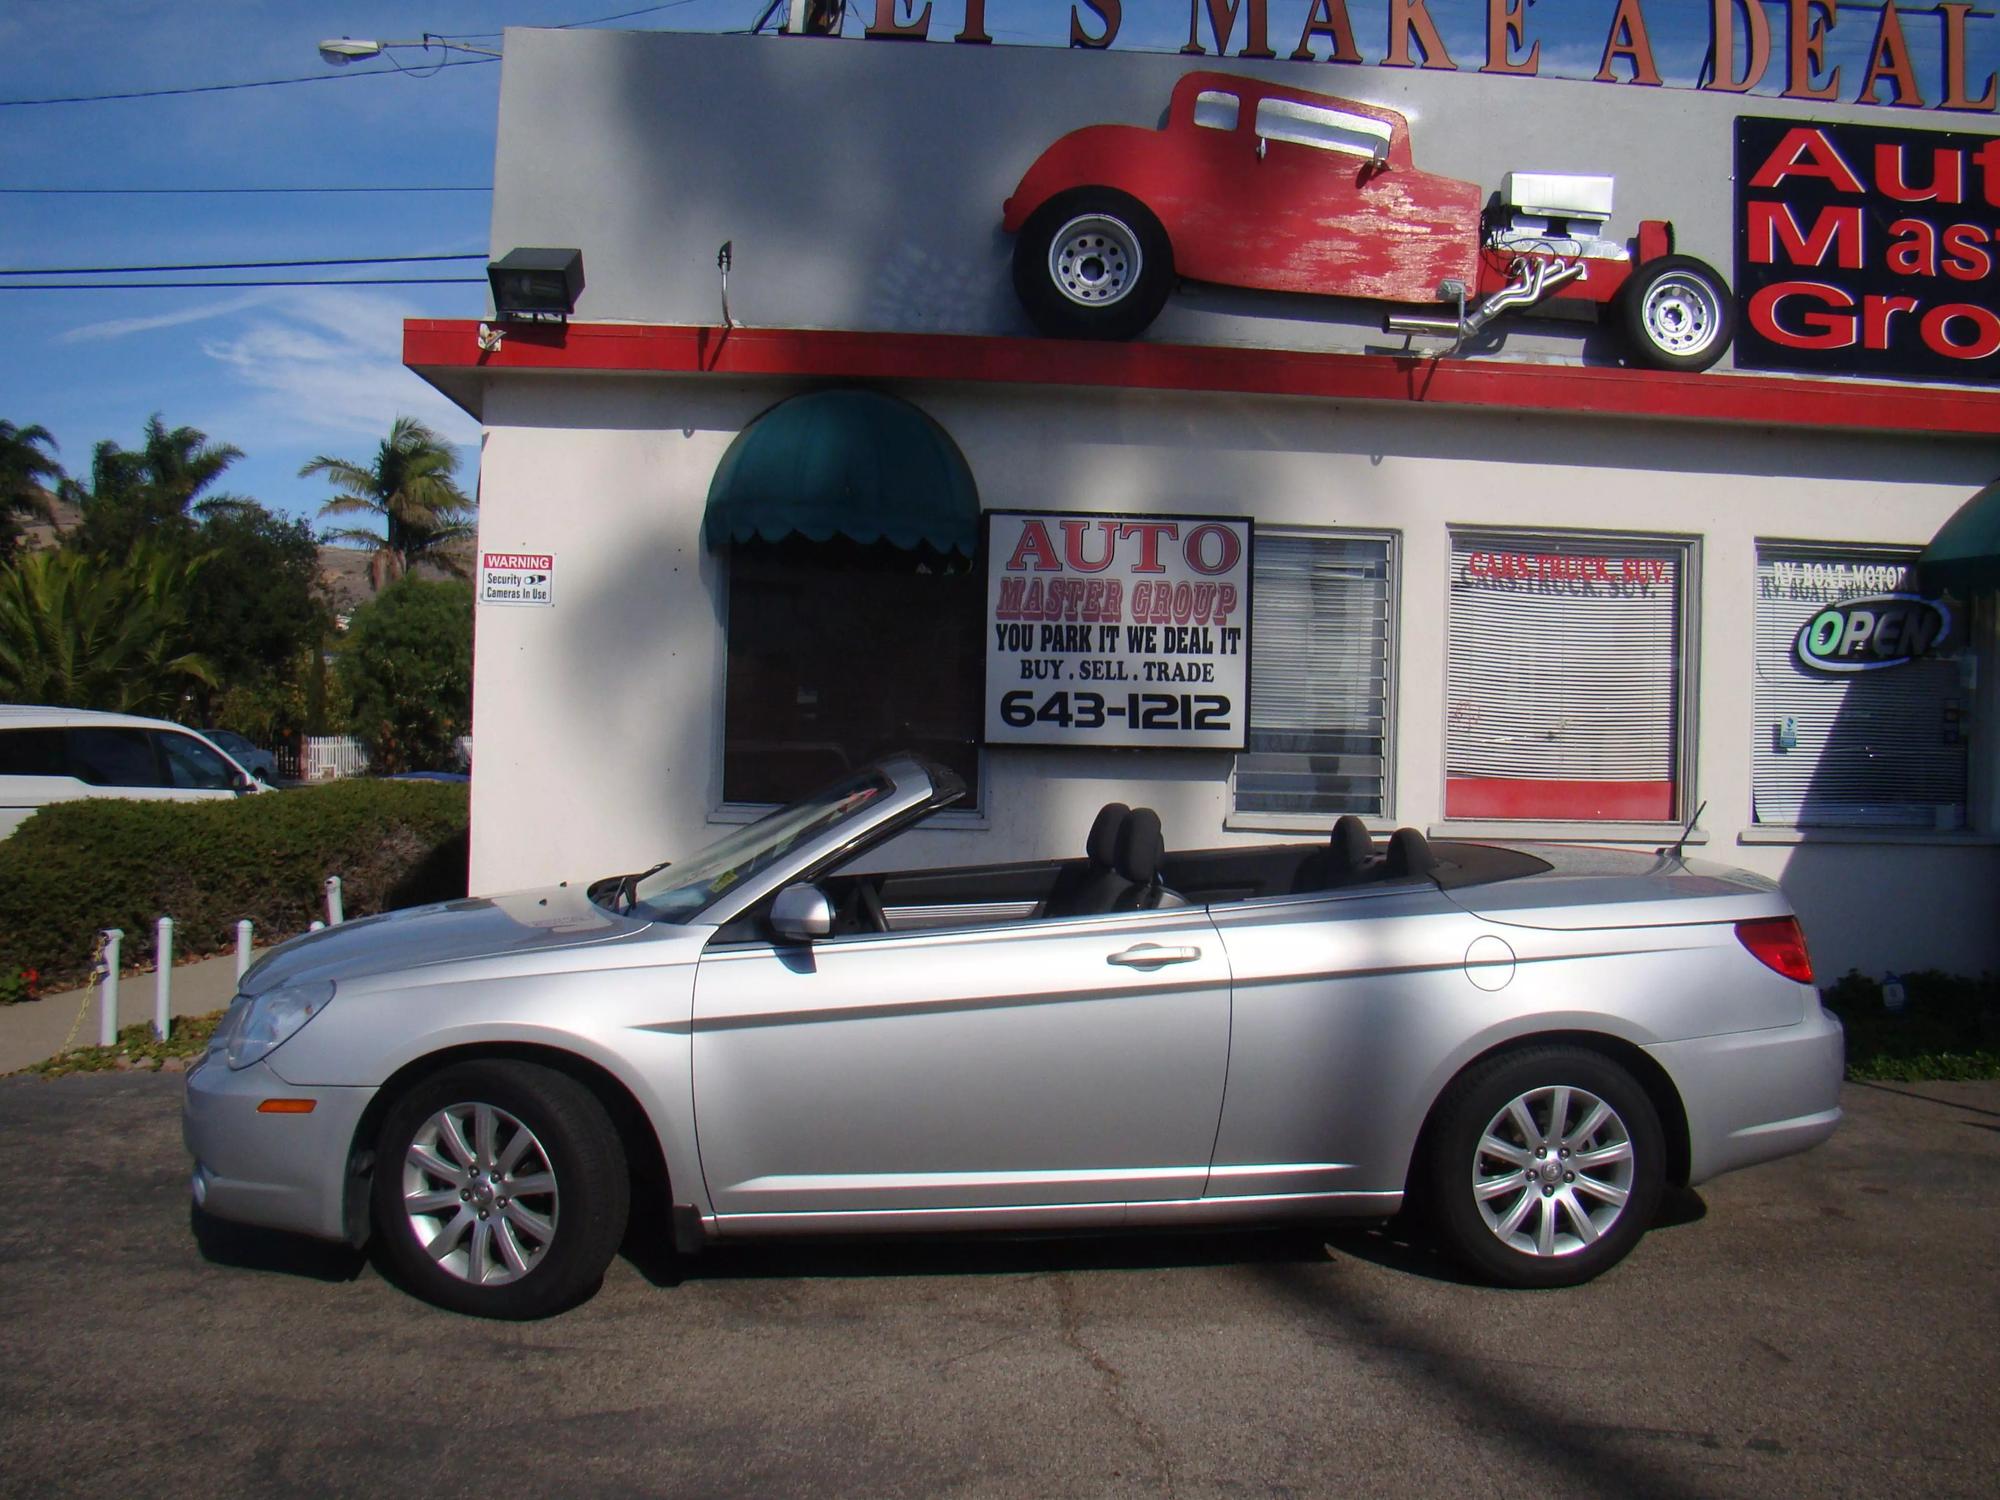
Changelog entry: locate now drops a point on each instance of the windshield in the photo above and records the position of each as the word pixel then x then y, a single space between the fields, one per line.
pixel 676 892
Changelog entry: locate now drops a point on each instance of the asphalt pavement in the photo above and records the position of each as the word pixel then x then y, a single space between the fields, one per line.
pixel 1827 1325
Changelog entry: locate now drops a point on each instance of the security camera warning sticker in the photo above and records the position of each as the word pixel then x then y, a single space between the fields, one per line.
pixel 517 578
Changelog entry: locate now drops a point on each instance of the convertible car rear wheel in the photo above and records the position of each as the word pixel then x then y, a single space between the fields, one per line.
pixel 1545 1166
pixel 1093 263
pixel 500 1190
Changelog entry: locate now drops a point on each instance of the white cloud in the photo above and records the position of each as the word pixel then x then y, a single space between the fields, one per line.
pixel 118 328
pixel 326 366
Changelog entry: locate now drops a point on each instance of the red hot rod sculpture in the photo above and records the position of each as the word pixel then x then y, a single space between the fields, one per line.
pixel 1256 185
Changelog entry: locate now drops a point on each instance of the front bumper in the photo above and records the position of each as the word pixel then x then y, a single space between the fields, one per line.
pixel 277 1171
pixel 1754 1096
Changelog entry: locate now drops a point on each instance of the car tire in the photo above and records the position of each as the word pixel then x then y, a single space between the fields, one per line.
pixel 1093 263
pixel 500 1190
pixel 1678 313
pixel 1544 1166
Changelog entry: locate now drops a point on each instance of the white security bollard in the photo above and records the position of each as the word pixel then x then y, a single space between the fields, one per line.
pixel 107 997
pixel 242 947
pixel 163 978
pixel 334 916
pixel 317 927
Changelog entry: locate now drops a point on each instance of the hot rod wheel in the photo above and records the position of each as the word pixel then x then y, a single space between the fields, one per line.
pixel 1093 263
pixel 1677 313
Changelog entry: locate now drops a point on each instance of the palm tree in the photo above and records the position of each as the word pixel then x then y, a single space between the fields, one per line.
pixel 78 632
pixel 26 474
pixel 148 492
pixel 411 492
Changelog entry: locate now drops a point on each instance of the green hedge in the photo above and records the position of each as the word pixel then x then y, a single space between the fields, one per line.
pixel 76 867
pixel 1948 1027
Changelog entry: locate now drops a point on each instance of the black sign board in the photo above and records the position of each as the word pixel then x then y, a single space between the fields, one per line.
pixel 1867 250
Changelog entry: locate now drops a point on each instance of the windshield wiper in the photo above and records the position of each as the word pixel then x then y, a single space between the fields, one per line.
pixel 628 885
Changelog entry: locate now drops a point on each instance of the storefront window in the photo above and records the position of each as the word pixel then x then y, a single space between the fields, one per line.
pixel 840 652
pixel 1322 649
pixel 1881 745
pixel 1567 677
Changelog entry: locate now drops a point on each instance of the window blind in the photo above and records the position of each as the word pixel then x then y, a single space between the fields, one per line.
pixel 1321 617
pixel 1564 678
pixel 1882 749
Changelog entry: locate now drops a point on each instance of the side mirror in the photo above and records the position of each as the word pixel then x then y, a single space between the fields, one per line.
pixel 241 782
pixel 801 913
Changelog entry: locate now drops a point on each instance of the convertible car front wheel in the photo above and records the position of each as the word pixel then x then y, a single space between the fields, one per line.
pixel 500 1189
pixel 1093 263
pixel 1544 1167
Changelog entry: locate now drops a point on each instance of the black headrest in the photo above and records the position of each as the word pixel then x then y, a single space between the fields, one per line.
pixel 1141 847
pixel 1351 847
pixel 1409 854
pixel 1102 845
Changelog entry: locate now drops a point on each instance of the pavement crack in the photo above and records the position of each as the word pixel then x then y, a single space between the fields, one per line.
pixel 1070 1327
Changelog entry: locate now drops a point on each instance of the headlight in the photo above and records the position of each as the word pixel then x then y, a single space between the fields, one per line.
pixel 255 1028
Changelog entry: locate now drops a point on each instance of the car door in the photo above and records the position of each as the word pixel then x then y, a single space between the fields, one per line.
pixel 1069 1061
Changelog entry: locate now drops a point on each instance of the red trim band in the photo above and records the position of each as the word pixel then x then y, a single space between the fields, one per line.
pixel 1564 801
pixel 444 345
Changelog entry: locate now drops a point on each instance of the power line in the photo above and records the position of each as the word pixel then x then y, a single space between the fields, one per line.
pixel 261 83
pixel 193 191
pixel 151 286
pixel 227 265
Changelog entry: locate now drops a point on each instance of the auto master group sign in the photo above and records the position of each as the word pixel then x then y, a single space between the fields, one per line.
pixel 1117 630
pixel 517 578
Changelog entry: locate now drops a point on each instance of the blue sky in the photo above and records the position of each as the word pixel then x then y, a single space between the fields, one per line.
pixel 288 373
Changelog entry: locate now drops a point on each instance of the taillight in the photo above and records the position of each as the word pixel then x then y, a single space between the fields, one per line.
pixel 1778 943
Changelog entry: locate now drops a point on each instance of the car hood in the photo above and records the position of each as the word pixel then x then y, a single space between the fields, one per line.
pixel 518 923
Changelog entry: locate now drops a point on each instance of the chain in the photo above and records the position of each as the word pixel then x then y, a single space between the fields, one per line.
pixel 99 972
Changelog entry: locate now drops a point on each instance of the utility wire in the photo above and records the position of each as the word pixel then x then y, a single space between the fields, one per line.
pixel 147 286
pixel 261 83
pixel 193 191
pixel 226 265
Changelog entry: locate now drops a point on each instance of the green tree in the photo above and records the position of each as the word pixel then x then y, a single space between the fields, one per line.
pixel 149 493
pixel 407 667
pixel 259 615
pixel 27 475
pixel 410 492
pixel 78 632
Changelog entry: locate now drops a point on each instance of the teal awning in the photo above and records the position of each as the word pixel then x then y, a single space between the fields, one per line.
pixel 849 463
pixel 1965 554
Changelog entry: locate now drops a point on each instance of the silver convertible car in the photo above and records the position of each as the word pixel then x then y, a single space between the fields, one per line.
pixel 1526 1045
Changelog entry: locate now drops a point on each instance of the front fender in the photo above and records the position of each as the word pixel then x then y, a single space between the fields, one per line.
pixel 1112 156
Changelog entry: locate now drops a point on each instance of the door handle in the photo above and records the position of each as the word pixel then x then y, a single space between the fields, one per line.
pixel 1153 956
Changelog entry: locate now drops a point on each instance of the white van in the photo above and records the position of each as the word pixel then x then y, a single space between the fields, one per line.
pixel 60 754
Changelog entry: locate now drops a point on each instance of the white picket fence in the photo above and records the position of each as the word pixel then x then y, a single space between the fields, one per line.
pixel 329 757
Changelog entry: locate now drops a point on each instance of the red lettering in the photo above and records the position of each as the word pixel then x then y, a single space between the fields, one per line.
pixel 1947 176
pixel 1877 314
pixel 1832 331
pixel 1967 258
pixel 1809 153
pixel 1012 592
pixel 1837 229
pixel 1149 534
pixel 916 29
pixel 1228 551
pixel 1036 546
pixel 1914 251
pixel 1938 323
pixel 974 29
pixel 1073 546
pixel 1225 602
